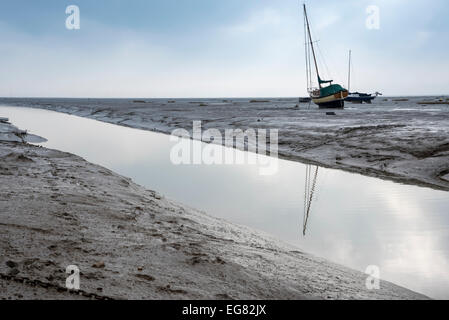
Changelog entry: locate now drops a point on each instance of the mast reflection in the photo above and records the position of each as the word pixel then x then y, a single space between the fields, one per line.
pixel 309 190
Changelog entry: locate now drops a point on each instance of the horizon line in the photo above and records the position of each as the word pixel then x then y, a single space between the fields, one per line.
pixel 224 97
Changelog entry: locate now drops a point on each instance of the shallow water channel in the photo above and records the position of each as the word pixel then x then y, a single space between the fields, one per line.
pixel 354 220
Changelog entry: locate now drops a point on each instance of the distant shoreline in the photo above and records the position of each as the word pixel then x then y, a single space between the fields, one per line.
pixel 207 98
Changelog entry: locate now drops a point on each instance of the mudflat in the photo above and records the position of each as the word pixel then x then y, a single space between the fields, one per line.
pixel 57 210
pixel 400 139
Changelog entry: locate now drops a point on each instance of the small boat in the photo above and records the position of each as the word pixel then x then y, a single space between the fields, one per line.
pixel 305 99
pixel 4 120
pixel 358 97
pixel 327 95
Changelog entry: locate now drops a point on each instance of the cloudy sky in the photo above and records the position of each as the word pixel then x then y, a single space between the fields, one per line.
pixel 215 48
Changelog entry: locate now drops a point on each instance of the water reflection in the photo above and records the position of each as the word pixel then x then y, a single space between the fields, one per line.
pixel 309 190
pixel 357 220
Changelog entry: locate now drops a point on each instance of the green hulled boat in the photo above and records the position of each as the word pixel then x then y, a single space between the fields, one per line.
pixel 327 95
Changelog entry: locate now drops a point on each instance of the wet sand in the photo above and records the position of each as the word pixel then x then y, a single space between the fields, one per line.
pixel 56 210
pixel 405 140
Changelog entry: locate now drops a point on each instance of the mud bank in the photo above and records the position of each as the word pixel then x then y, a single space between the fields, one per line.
pixel 57 210
pixel 394 139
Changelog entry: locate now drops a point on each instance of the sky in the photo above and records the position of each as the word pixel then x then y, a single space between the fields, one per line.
pixel 213 48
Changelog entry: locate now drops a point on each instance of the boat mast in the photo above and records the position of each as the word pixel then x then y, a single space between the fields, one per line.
pixel 311 44
pixel 349 74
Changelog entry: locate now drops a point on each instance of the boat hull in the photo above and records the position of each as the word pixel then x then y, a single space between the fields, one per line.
pixel 337 104
pixel 336 100
pixel 365 99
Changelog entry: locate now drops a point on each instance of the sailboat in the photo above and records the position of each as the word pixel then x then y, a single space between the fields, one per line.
pixel 327 95
pixel 358 97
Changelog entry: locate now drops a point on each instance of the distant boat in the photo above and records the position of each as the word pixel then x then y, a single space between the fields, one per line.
pixel 330 96
pixel 358 97
pixel 305 99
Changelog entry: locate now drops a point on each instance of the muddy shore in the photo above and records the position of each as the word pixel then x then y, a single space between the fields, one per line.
pixel 56 210
pixel 403 140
